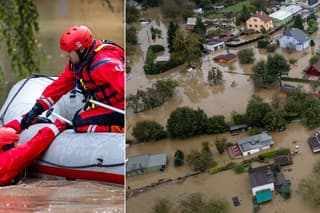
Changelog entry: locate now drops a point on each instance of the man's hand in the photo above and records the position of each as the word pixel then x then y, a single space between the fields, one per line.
pixel 28 118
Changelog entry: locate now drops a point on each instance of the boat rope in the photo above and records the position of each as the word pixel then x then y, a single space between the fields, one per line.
pixel 99 164
pixel 34 75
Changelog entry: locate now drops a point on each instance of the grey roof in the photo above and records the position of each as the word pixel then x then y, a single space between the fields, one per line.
pixel 314 143
pixel 261 175
pixel 297 34
pixel 146 161
pixel 281 179
pixel 255 142
pixel 239 126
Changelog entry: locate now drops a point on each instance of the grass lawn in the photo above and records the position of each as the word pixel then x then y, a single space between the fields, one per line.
pixel 236 7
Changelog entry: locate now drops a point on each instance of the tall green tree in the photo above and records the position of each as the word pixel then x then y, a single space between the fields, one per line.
pixel 187 47
pixel 201 161
pixel 172 29
pixel 277 66
pixel 298 23
pixel 162 205
pixel 18 28
pixel 200 29
pixel 275 120
pixel 196 202
pixel 256 110
pixel 148 130
pixel 259 75
pixel 132 14
pixel 186 122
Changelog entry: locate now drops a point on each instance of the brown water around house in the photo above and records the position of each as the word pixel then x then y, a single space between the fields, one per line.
pixel 225 184
pixel 232 95
pixel 36 195
pixel 193 90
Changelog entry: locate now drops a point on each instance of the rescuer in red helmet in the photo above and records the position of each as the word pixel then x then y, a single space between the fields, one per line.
pixel 97 69
pixel 15 158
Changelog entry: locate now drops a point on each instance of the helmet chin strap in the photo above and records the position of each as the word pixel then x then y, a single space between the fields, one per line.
pixel 83 54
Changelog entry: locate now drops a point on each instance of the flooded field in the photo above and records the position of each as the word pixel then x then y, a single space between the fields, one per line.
pixel 232 95
pixel 37 195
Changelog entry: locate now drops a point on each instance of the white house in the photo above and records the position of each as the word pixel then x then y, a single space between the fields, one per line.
pixel 162 58
pixel 213 45
pixel 261 178
pixel 294 38
pixel 191 22
pixel 255 143
pixel 293 9
pixel 197 11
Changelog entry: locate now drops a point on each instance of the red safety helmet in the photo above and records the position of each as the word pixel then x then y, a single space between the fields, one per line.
pixel 75 38
pixel 8 136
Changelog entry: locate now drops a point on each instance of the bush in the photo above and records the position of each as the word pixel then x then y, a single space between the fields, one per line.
pixel 221 145
pixel 178 158
pixel 214 170
pixel 147 131
pixel 217 124
pixel 229 166
pixel 271 48
pixel 246 56
pixel 152 49
pixel 276 153
pixel 285 191
pixel 262 43
pixel 161 67
pixel 292 61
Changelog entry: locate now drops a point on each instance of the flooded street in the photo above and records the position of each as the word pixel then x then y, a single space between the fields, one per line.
pixel 232 95
pixel 38 195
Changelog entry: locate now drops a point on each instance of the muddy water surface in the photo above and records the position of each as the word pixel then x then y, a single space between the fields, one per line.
pixel 225 184
pixel 232 95
pixel 61 196
pixel 36 195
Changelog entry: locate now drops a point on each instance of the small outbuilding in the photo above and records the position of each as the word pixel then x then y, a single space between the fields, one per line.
pixel 214 44
pixel 225 59
pixel 191 22
pixel 312 72
pixel 140 164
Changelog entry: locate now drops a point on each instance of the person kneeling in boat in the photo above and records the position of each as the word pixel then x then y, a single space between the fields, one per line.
pixel 15 158
pixel 97 69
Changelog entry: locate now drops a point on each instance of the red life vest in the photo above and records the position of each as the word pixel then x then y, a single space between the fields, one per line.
pixel 91 74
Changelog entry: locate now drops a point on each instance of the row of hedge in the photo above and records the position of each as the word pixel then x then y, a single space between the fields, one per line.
pixel 152 50
pixel 245 164
pixel 161 67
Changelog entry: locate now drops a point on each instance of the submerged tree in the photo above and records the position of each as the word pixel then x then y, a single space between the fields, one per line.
pixel 196 202
pixel 18 27
pixel 163 205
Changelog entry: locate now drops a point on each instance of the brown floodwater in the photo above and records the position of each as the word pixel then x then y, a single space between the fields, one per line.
pixel 193 90
pixel 232 95
pixel 37 195
pixel 225 184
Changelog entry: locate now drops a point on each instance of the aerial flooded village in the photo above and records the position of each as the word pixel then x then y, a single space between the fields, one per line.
pixel 223 106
